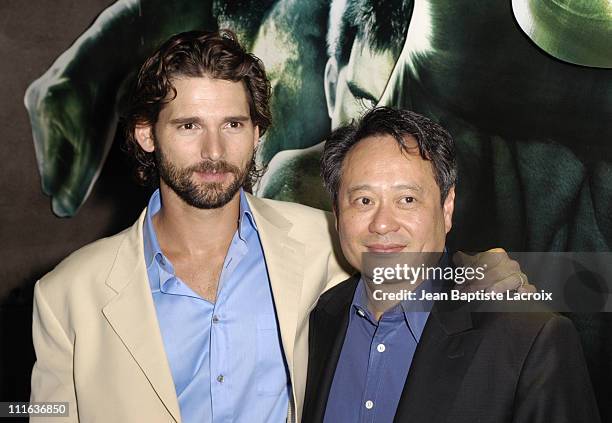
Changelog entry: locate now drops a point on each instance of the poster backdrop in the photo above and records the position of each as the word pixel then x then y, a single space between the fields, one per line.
pixel 524 86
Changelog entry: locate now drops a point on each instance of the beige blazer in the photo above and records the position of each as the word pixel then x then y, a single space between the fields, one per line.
pixel 97 340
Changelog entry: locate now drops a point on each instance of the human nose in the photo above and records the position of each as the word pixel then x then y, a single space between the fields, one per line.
pixel 383 220
pixel 211 146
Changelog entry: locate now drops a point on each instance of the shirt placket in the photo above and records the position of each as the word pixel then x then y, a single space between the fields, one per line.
pixel 385 329
pixel 373 375
pixel 220 345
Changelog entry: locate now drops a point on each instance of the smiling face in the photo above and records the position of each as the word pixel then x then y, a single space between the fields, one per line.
pixel 389 202
pixel 203 140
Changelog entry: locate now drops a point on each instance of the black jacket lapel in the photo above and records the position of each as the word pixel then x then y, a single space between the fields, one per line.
pixel 328 325
pixel 444 353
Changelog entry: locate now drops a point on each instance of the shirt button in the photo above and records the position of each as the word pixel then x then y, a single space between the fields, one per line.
pixel 215 319
pixel 381 347
pixel 369 404
pixel 220 378
pixel 361 313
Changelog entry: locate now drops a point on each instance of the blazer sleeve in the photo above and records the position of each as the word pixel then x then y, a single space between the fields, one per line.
pixel 554 384
pixel 52 375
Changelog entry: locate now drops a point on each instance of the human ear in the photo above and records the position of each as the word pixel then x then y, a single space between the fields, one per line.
pixel 144 136
pixel 448 208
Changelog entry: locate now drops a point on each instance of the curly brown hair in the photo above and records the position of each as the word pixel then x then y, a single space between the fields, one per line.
pixel 215 54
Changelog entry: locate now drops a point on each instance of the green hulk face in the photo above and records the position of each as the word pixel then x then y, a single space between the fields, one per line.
pixel 356 86
pixel 350 89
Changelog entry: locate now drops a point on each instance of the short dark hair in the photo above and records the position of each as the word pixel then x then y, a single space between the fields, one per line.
pixel 191 54
pixel 434 143
pixel 382 23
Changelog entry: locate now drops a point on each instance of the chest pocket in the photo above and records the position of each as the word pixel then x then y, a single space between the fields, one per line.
pixel 272 373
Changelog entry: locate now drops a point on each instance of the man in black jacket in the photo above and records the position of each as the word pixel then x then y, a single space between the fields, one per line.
pixel 392 180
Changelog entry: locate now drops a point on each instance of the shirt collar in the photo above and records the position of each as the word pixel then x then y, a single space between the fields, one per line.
pixel 415 313
pixel 151 246
pixel 248 222
pixel 152 250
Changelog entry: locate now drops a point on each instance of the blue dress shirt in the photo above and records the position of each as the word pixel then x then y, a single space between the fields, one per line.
pixel 374 361
pixel 226 357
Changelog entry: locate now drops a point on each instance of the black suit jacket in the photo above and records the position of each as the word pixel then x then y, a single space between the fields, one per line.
pixel 468 367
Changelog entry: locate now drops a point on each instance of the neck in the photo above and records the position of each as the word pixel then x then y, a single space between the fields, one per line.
pixel 186 230
pixel 382 297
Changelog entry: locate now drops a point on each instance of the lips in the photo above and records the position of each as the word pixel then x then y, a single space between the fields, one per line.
pixel 211 175
pixel 385 248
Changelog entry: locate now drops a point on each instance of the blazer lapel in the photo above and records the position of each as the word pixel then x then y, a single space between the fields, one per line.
pixel 284 258
pixel 328 327
pixel 445 350
pixel 132 315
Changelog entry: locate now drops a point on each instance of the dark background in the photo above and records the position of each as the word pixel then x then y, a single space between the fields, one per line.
pixel 32 239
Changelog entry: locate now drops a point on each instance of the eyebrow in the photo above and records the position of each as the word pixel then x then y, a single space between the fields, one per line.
pixel 196 119
pixel 360 92
pixel 399 187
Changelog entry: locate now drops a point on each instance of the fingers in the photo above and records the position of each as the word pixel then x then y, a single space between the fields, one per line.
pixel 512 282
pixel 501 273
pixel 503 270
pixel 527 287
pixel 490 258
pixel 70 137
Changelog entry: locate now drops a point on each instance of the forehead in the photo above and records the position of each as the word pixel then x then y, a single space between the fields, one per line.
pixel 379 160
pixel 208 94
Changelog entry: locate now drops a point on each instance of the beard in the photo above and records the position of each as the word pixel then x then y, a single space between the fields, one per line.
pixel 210 195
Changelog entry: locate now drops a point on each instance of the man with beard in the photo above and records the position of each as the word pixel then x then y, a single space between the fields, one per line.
pixel 199 311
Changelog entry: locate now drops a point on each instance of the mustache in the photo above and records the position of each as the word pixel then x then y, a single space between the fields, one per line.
pixel 220 166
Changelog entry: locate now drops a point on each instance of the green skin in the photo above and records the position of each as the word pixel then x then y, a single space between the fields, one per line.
pixel 503 99
pixel 533 134
pixel 74 106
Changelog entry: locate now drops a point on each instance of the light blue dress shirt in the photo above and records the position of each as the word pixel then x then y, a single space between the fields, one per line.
pixel 226 358
pixel 376 357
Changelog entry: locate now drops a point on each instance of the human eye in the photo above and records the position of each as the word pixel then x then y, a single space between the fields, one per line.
pixel 407 200
pixel 187 126
pixel 234 125
pixel 363 201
